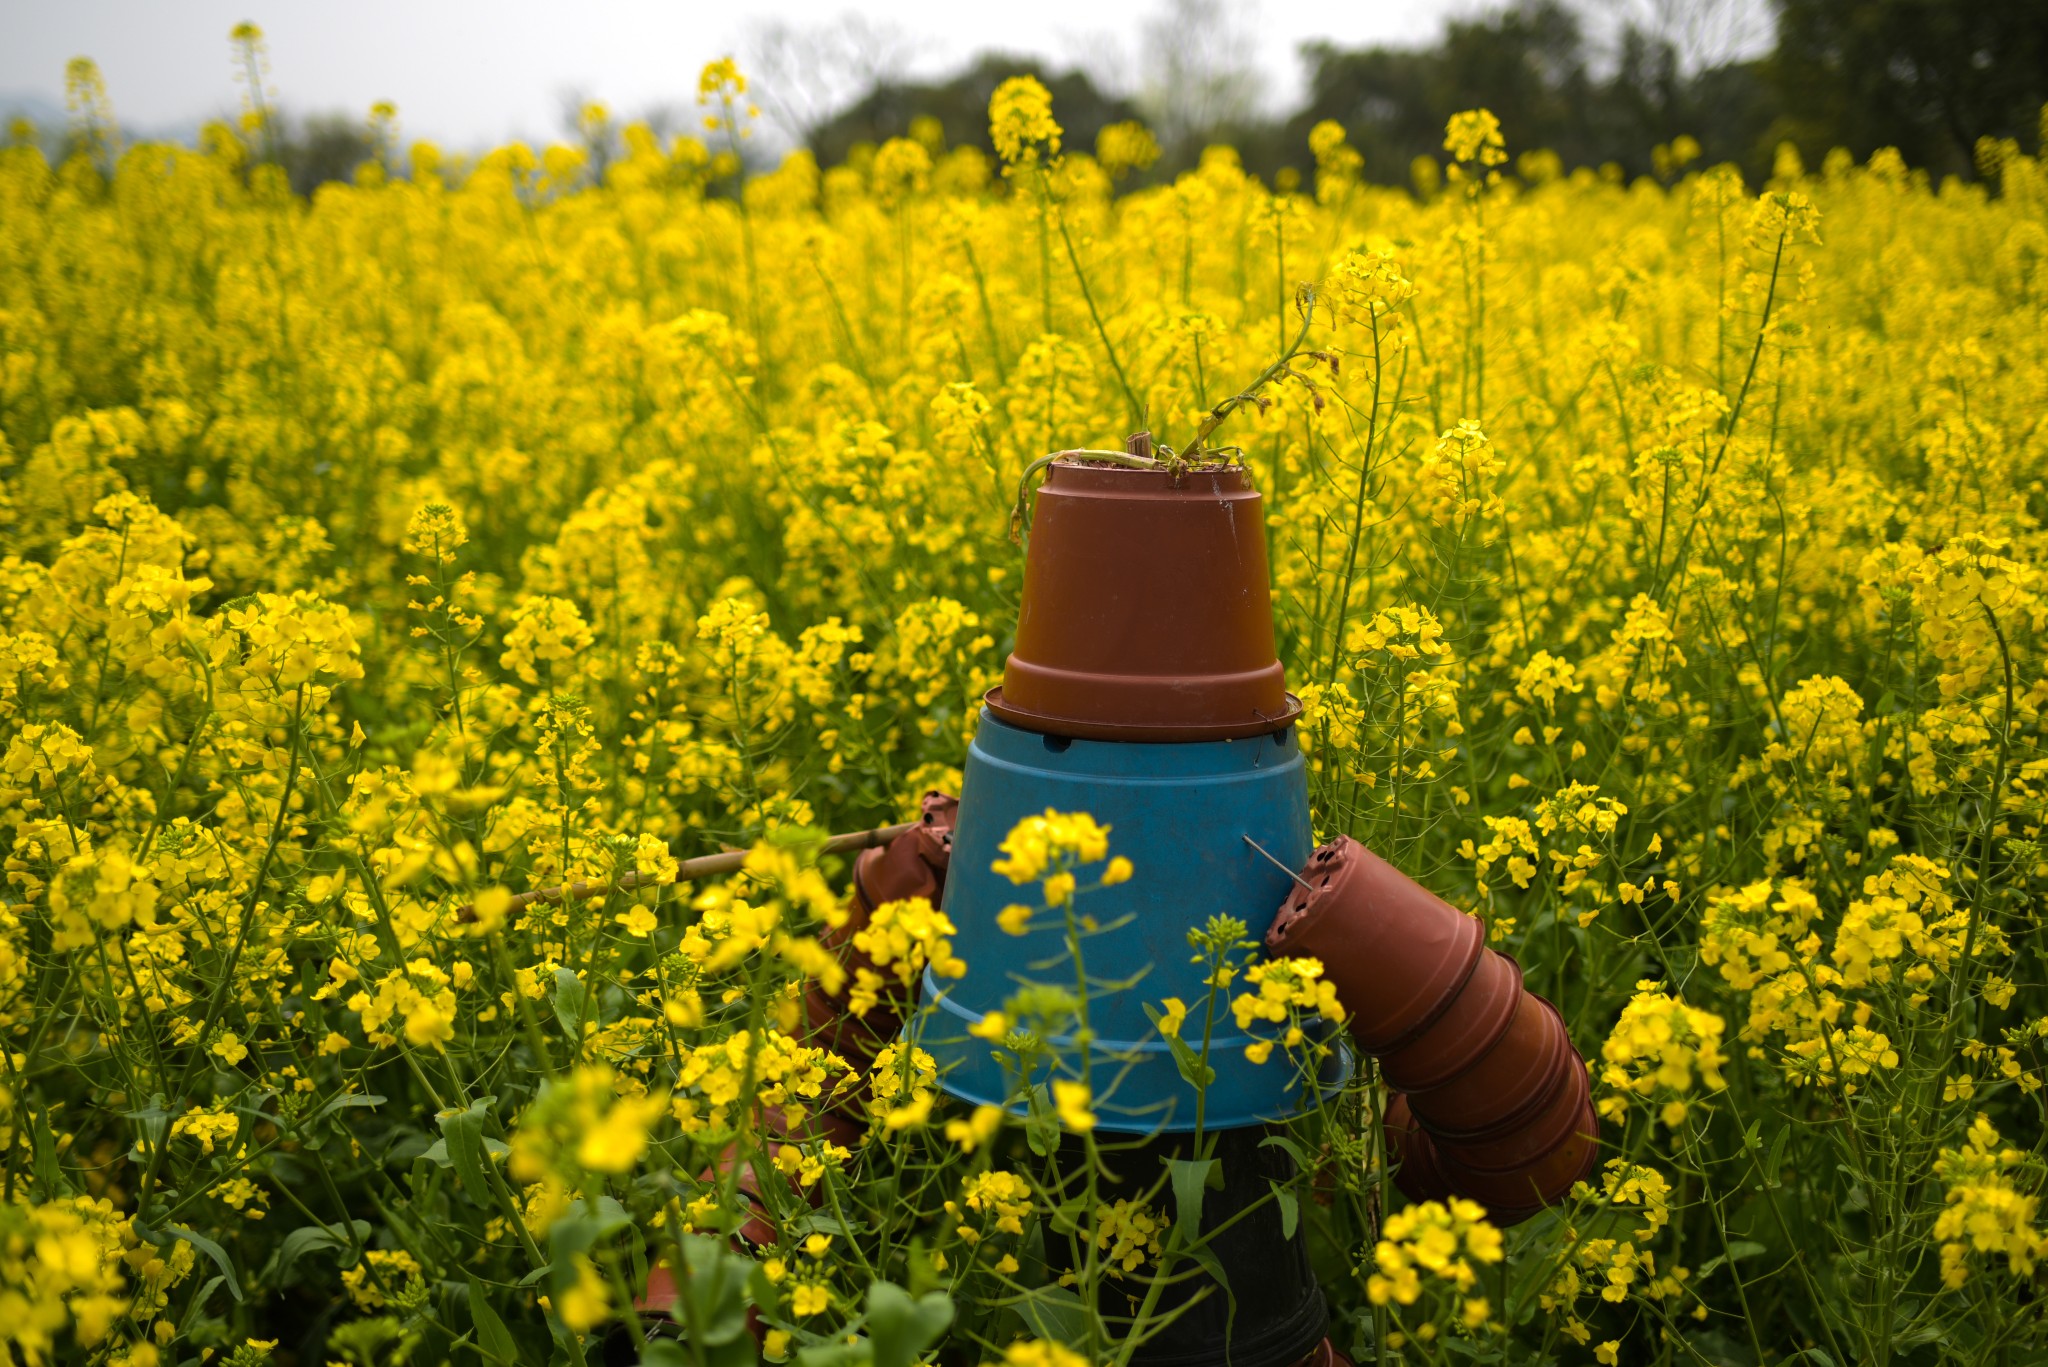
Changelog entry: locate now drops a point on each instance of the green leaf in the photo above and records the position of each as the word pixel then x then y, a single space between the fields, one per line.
pixel 199 1241
pixel 353 1100
pixel 741 1352
pixel 463 1132
pixel 1190 1178
pixel 493 1340
pixel 713 1280
pixel 1206 1257
pixel 1053 1312
pixel 1775 1164
pixel 1290 1148
pixel 663 1352
pixel 1041 1125
pixel 1737 1251
pixel 900 1328
pixel 1193 1071
pixel 43 1151
pixel 568 1346
pixel 571 1000
pixel 856 1354
pixel 310 1239
pixel 1290 1208
pixel 437 1152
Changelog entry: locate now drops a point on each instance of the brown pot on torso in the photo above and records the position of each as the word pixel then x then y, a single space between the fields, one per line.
pixel 1146 612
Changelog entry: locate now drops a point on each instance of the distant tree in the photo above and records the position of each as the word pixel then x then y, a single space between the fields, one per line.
pixel 322 148
pixel 960 105
pixel 1197 78
pixel 1702 34
pixel 1533 65
pixel 1929 77
pixel 805 75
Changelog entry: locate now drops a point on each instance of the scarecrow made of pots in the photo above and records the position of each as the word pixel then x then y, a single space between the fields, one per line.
pixel 1145 691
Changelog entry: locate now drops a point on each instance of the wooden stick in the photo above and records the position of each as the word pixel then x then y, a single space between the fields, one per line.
pixel 690 870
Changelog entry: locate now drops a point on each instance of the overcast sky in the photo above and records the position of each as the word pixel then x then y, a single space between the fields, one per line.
pixel 474 72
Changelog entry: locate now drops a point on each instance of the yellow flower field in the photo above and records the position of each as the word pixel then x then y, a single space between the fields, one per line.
pixel 1661 565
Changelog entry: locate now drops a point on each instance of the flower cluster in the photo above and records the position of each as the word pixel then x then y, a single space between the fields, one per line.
pixel 1287 991
pixel 1661 1047
pixel 1435 1244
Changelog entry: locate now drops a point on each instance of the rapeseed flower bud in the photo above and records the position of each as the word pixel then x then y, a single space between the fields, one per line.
pixel 1020 122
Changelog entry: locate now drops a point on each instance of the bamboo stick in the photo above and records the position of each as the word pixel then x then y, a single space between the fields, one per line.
pixel 690 870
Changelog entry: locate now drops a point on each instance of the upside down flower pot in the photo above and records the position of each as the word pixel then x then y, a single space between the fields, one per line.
pixel 1465 1031
pixel 1507 1083
pixel 1417 1172
pixel 1423 1172
pixel 914 864
pixel 1396 952
pixel 1179 812
pixel 1490 1100
pixel 1146 612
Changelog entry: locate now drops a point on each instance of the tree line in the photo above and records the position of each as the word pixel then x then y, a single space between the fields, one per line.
pixel 1929 77
pixel 1602 83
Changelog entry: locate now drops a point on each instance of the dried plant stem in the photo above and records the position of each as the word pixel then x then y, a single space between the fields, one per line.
pixel 690 870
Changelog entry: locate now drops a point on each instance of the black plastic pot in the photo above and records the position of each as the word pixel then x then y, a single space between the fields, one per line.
pixel 1280 1315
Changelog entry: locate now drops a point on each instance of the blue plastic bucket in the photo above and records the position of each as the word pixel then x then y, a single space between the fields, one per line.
pixel 1179 812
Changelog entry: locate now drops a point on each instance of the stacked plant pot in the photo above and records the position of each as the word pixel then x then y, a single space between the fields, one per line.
pixel 911 865
pixel 914 864
pixel 1491 1101
pixel 1144 689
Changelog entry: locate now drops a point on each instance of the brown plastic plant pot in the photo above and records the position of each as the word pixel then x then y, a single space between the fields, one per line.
pixel 758 1228
pixel 1325 1354
pixel 1395 952
pixel 1505 1086
pixel 1422 1174
pixel 914 864
pixel 1471 1024
pixel 1544 1181
pixel 1146 612
pixel 777 1127
pixel 1417 1173
pixel 857 1039
pixel 1507 1150
pixel 757 1231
